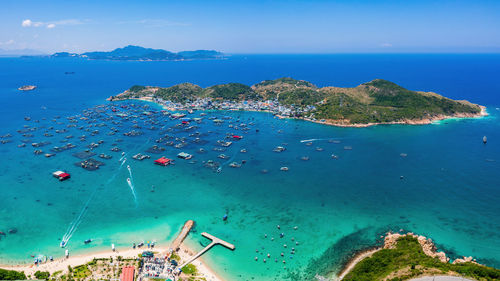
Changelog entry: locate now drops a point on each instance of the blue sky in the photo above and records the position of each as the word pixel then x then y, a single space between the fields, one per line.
pixel 253 26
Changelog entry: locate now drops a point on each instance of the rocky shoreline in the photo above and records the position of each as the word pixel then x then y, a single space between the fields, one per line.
pixel 426 121
pixel 390 241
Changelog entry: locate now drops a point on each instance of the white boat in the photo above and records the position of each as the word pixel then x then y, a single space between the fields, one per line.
pixel 113 247
pixel 66 253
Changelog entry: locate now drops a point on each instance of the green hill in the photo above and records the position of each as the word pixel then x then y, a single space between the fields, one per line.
pixel 377 101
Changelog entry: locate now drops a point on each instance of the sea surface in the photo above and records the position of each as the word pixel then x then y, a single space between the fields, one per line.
pixel 437 180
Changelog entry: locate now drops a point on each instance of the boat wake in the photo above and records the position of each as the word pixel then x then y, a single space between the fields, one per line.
pixel 73 226
pixel 311 140
pixel 228 161
pixel 130 182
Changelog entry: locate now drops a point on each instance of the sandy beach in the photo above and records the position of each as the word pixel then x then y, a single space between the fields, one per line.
pixel 62 264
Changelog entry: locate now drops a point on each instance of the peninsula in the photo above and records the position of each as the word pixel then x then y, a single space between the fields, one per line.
pixel 137 53
pixel 375 102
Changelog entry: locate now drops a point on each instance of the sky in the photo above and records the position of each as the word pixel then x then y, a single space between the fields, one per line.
pixel 254 26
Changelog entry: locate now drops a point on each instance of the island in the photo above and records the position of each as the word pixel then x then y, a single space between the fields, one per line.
pixel 27 88
pixel 137 53
pixel 372 103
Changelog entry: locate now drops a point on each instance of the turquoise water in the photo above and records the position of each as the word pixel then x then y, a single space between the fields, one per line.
pixel 449 189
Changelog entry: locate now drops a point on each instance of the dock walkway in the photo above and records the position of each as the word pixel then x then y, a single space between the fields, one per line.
pixel 215 241
pixel 182 235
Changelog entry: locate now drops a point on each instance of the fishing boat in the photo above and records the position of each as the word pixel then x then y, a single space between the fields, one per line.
pixel 61 175
pixel 222 156
pixel 184 155
pixel 235 165
pixel 163 161
pixel 27 88
pixel 279 149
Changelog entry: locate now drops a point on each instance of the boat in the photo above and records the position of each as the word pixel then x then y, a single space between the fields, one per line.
pixel 61 175
pixel 485 140
pixel 184 155
pixel 66 253
pixel 87 241
pixel 163 161
pixel 222 156
pixel 224 218
pixel 113 247
pixel 235 165
pixel 279 149
pixel 284 169
pixel 62 244
pixel 27 88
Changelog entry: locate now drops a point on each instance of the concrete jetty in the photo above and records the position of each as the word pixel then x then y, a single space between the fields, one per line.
pixel 182 235
pixel 215 241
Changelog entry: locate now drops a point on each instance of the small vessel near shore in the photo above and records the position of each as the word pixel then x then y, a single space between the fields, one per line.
pixel 87 241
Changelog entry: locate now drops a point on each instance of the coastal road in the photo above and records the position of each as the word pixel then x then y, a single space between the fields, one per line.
pixel 441 278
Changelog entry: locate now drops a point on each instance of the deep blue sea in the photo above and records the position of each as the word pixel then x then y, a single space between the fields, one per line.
pixel 446 188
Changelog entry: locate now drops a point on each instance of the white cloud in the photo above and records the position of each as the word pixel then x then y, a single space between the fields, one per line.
pixel 27 23
pixel 9 42
pixel 386 45
pixel 50 24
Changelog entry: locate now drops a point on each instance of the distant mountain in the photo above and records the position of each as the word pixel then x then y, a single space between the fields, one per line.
pixel 137 53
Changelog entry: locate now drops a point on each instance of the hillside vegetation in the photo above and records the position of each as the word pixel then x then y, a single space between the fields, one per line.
pixel 408 260
pixel 377 101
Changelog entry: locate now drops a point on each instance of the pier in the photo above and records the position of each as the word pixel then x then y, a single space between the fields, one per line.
pixel 215 241
pixel 184 232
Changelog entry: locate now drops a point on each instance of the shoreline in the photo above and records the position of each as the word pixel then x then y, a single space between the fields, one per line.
pixel 337 123
pixel 355 260
pixel 425 121
pixel 390 241
pixel 61 264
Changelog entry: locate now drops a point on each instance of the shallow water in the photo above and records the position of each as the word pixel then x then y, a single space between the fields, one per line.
pixel 449 189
